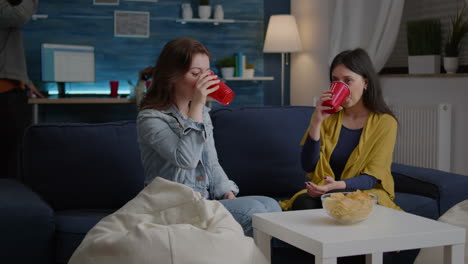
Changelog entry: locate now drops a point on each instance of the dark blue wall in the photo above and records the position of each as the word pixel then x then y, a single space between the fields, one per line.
pixel 79 22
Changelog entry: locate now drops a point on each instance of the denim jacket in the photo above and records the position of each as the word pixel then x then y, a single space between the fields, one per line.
pixel 182 150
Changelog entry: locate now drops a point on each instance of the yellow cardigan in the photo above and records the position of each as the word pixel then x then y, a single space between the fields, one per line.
pixel 372 156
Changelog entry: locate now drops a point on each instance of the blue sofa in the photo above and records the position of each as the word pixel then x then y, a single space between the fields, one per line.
pixel 75 174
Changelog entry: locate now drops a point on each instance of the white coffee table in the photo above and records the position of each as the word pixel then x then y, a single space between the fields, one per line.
pixel 385 230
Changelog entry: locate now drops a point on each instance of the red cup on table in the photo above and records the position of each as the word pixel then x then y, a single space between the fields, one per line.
pixel 114 88
pixel 224 95
pixel 340 91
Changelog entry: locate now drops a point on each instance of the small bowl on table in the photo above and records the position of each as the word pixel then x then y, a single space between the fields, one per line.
pixel 349 207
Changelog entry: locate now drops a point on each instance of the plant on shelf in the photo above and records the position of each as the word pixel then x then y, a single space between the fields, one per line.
pixel 458 28
pixel 249 71
pixel 424 37
pixel 424 45
pixel 227 66
pixel 204 2
pixel 227 62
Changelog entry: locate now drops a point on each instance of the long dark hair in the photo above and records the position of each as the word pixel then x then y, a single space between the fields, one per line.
pixel 14 2
pixel 359 62
pixel 173 63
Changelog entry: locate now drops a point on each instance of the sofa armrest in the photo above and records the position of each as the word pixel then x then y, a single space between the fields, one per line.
pixel 26 225
pixel 406 184
pixel 451 186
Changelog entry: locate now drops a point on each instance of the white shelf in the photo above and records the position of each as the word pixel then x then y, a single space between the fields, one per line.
pixel 199 20
pixel 39 16
pixel 258 78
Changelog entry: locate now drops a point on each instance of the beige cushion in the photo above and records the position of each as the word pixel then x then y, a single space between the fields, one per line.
pixel 168 222
pixel 458 216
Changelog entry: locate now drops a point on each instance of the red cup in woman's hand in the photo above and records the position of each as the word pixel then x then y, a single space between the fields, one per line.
pixel 340 91
pixel 223 95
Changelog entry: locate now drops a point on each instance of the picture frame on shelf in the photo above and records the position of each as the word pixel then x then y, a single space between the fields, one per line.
pixel 106 2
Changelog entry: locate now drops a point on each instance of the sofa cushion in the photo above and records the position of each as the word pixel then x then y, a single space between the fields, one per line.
pixel 418 205
pixel 259 149
pixel 26 225
pixel 83 165
pixel 72 226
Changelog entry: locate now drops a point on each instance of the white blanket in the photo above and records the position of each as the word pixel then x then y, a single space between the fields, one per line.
pixel 168 222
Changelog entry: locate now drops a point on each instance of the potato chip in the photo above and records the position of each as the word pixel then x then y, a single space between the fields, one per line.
pixel 337 196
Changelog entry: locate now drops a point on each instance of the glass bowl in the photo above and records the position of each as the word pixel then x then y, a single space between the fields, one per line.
pixel 349 207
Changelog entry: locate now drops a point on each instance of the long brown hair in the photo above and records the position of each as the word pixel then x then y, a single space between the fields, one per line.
pixel 358 61
pixel 173 63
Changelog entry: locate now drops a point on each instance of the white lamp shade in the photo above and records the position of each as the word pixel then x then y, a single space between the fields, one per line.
pixel 282 35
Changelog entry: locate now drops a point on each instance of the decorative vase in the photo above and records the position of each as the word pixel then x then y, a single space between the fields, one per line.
pixel 249 73
pixel 187 12
pixel 227 72
pixel 204 12
pixel 218 12
pixel 451 64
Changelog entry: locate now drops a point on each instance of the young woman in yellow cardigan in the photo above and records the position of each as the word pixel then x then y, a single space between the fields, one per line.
pixel 352 148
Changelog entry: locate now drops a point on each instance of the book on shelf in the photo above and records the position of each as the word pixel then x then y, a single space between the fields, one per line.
pixel 240 64
pixel 243 65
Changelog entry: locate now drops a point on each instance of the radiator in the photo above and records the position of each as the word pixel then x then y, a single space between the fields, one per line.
pixel 424 135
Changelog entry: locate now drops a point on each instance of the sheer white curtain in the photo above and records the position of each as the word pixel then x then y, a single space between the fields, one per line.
pixel 368 24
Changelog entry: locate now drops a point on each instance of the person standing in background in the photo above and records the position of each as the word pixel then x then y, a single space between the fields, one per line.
pixel 14 82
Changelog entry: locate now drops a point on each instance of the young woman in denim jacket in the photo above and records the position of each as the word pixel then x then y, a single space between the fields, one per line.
pixel 175 132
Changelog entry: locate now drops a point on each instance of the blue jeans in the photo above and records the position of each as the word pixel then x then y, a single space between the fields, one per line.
pixel 242 209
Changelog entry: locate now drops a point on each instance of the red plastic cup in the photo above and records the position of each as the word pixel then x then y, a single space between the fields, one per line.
pixel 224 95
pixel 340 92
pixel 114 87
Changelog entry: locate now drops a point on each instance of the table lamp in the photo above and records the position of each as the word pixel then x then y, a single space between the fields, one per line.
pixel 282 37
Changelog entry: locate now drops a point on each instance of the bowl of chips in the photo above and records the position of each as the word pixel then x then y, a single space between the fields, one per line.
pixel 349 207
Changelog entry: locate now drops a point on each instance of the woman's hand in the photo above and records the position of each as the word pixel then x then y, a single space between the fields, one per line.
pixel 312 191
pixel 34 91
pixel 199 95
pixel 320 109
pixel 202 87
pixel 229 195
pixel 315 190
pixel 320 115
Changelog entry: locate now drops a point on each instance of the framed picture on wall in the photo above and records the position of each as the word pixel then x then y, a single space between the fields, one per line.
pixel 132 24
pixel 106 2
